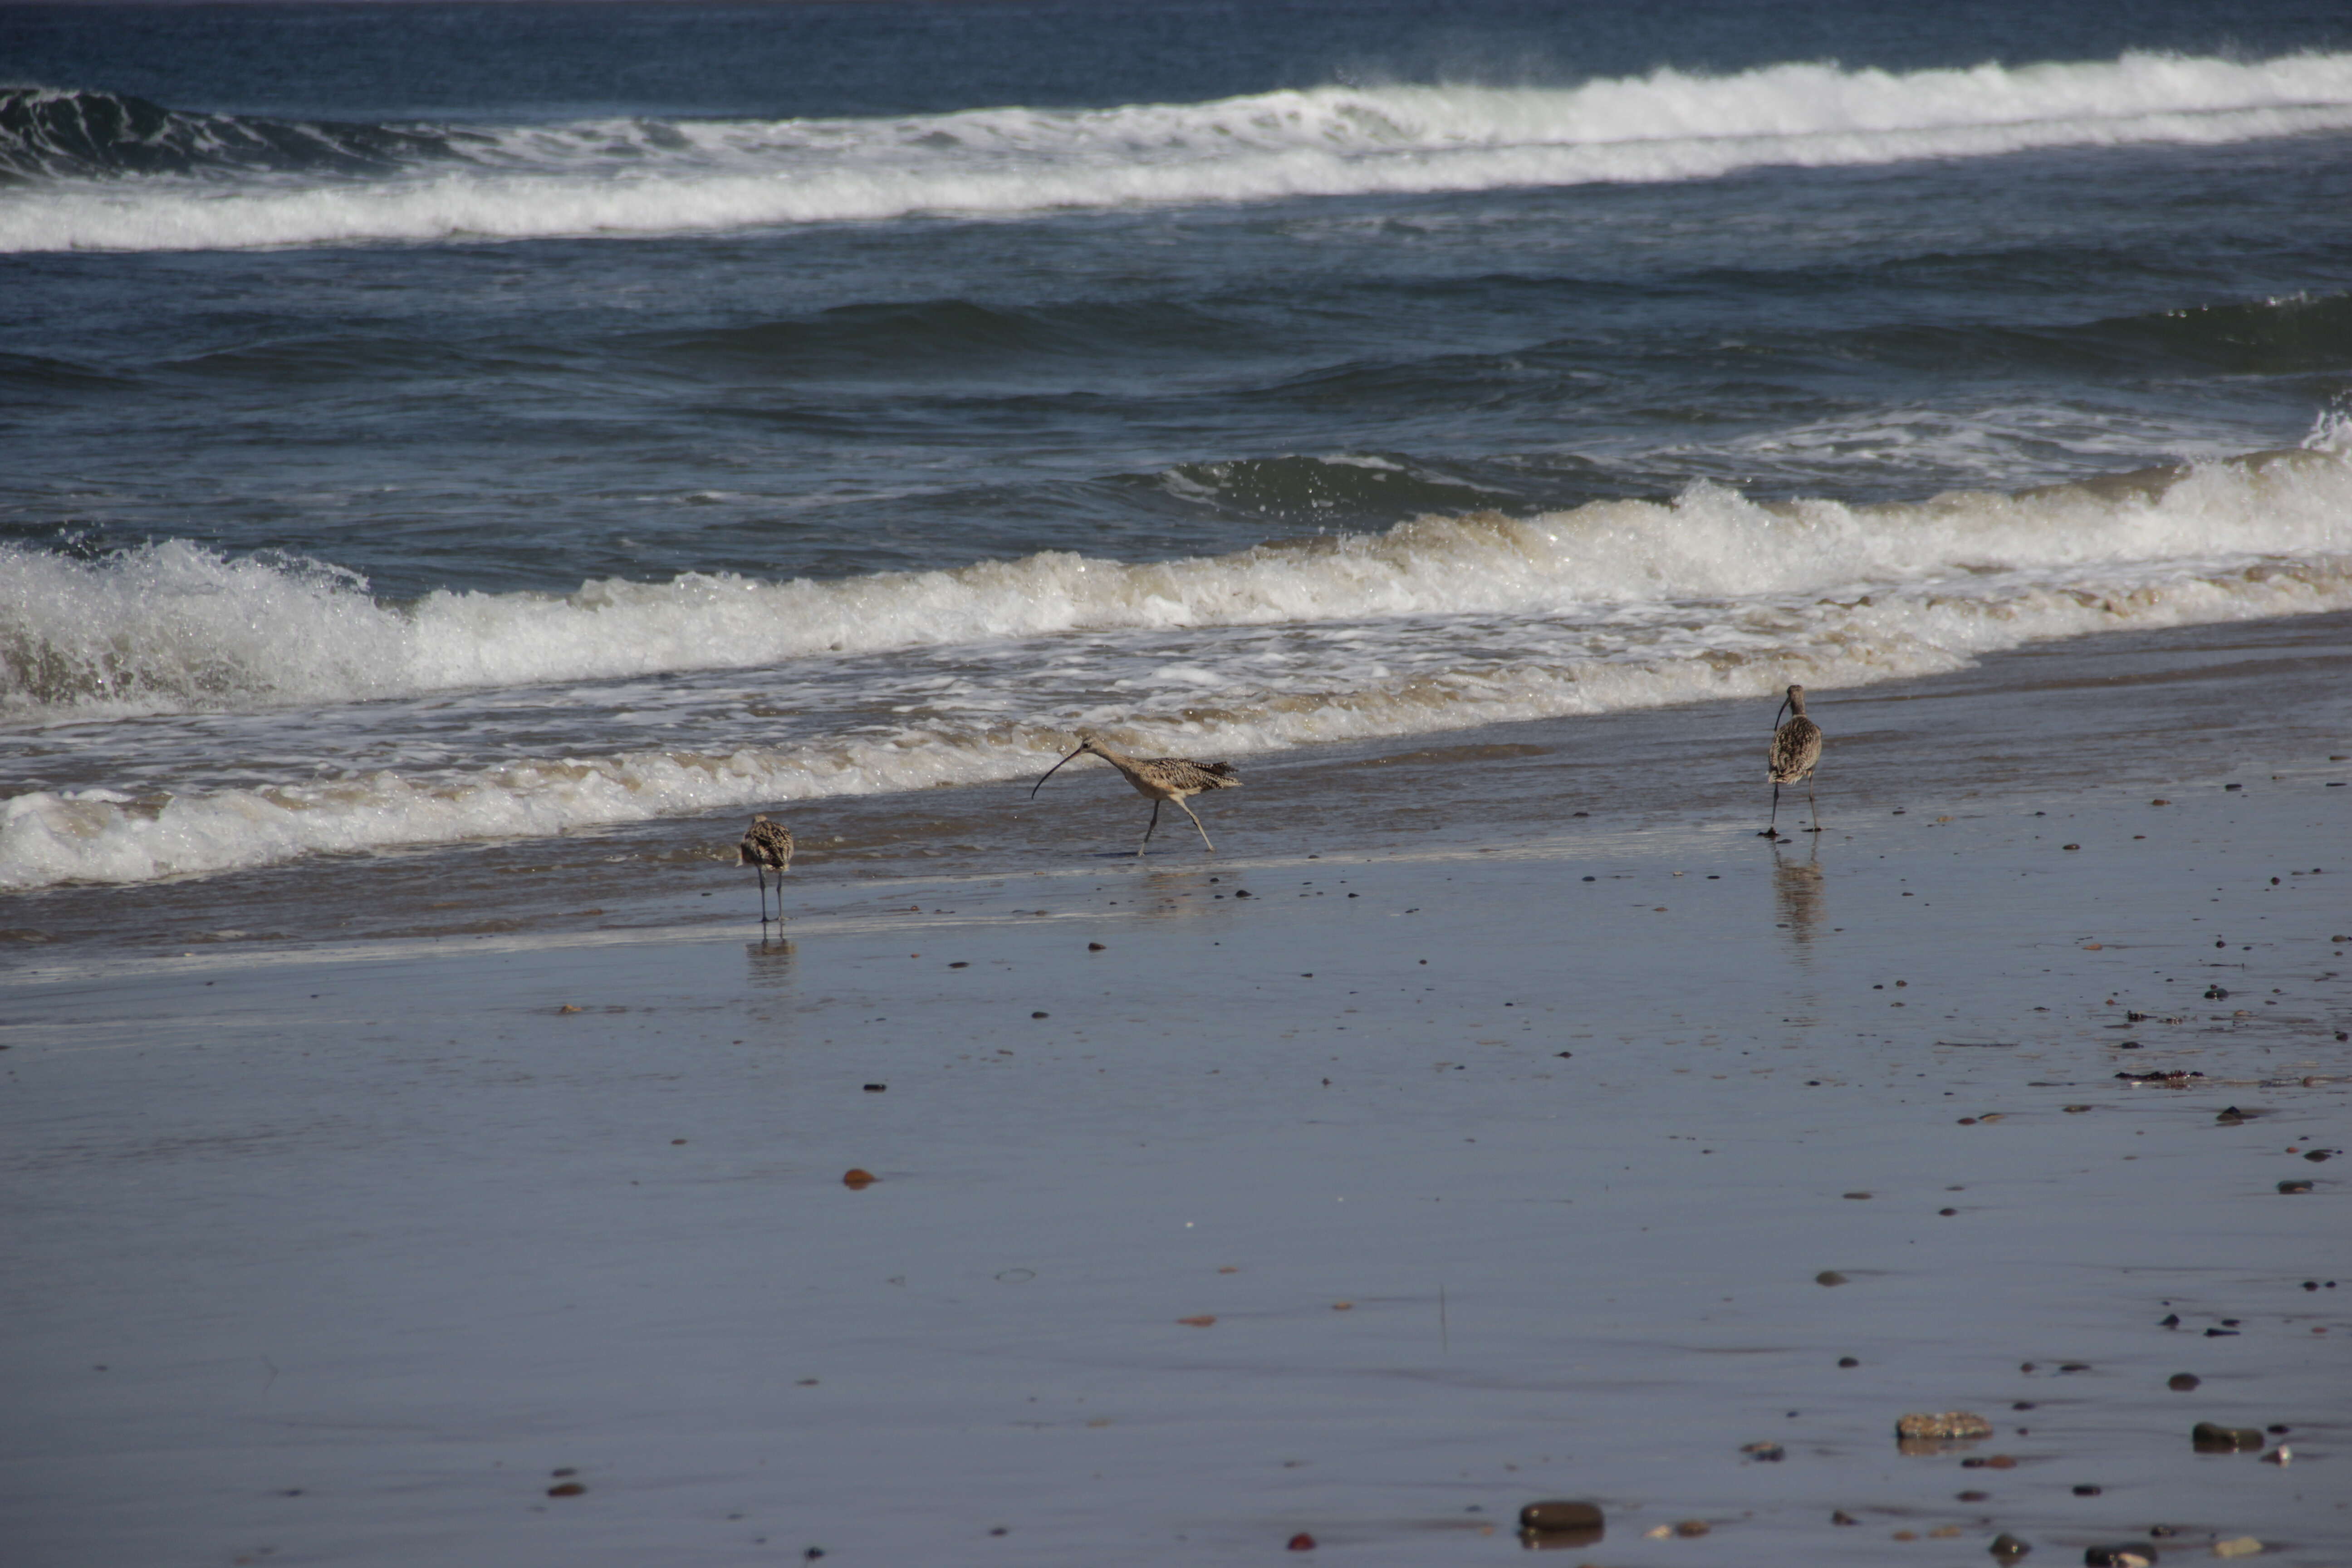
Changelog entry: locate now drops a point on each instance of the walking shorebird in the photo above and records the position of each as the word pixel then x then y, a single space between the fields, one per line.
pixel 1796 748
pixel 767 847
pixel 1161 778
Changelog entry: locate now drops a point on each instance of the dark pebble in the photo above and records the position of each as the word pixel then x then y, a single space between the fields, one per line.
pixel 1302 1541
pixel 1842 1517
pixel 1093 947
pixel 1848 1361
pixel 2133 1556
pixel 1974 1497
pixel 2007 1546
pixel 1038 1015
pixel 2088 1491
pixel 568 1488
pixel 1829 1277
pixel 559 1475
pixel 2210 1438
pixel 1560 1523
pixel 2183 1381
pixel 1768 1453
pixel 2295 1186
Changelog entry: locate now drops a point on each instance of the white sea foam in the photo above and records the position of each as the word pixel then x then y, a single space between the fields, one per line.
pixel 641 178
pixel 1435 624
pixel 175 626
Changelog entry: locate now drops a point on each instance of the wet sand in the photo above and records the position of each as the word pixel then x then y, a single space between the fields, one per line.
pixel 1507 1151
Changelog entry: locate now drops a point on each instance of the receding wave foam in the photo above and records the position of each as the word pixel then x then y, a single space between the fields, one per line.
pixel 1438 624
pixel 642 177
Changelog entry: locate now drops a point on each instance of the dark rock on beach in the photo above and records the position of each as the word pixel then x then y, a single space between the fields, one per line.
pixel 2210 1438
pixel 1559 1522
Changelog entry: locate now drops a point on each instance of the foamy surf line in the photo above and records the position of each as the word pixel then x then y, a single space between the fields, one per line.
pixel 99 835
pixel 631 178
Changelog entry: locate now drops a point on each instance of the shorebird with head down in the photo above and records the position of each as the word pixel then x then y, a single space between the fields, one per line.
pixel 1163 779
pixel 767 847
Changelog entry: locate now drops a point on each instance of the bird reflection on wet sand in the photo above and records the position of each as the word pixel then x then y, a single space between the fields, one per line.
pixel 1797 894
pixel 769 962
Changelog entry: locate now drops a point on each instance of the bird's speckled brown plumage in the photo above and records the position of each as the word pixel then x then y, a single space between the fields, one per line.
pixel 1161 778
pixel 767 847
pixel 1796 751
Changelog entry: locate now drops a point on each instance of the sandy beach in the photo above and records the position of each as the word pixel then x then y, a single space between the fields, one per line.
pixel 1497 1121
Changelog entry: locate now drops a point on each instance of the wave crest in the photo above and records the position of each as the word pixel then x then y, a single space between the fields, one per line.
pixel 48 133
pixel 650 178
pixel 177 627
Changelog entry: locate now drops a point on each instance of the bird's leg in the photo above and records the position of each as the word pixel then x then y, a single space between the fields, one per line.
pixel 757 870
pixel 1774 830
pixel 1147 829
pixel 1811 802
pixel 1196 823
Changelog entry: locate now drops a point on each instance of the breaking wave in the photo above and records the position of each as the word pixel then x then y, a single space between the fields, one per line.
pixel 221 182
pixel 177 627
pixel 46 133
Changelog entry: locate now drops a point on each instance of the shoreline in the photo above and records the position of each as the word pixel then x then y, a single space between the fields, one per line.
pixel 2200 699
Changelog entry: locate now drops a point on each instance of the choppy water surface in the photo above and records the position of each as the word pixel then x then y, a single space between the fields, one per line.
pixel 711 407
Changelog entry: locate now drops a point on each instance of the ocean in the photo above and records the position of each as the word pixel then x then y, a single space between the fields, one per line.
pixel 429 427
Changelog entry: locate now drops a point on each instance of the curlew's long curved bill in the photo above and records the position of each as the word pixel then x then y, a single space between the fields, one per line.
pixel 1776 719
pixel 1049 774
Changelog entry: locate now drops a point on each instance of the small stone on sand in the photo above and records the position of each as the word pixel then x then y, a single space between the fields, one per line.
pixel 1554 1516
pixel 2210 1438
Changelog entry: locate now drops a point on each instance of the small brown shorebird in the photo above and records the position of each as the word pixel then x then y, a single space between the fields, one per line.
pixel 767 847
pixel 1796 748
pixel 1161 778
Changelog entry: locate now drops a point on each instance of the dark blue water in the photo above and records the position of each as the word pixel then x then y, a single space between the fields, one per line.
pixel 372 302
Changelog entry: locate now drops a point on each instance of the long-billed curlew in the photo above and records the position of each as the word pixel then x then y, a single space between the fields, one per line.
pixel 767 847
pixel 1161 778
pixel 1796 748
